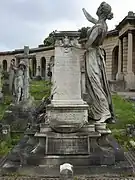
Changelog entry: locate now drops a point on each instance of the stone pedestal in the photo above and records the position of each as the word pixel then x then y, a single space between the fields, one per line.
pixel 67 106
pixel 130 81
pixel 88 146
pixel 120 76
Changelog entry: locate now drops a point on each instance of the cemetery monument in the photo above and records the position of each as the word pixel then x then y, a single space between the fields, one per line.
pixel 75 131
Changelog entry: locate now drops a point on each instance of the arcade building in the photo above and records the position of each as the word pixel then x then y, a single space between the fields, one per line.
pixel 119 53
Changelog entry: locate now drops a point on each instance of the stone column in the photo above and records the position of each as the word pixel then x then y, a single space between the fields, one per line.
pixel 130 52
pixel 67 106
pixel 38 69
pixel 130 77
pixel 119 75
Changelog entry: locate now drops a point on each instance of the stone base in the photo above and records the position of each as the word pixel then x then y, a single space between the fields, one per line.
pixel 91 145
pixel 119 170
pixel 130 81
pixel 38 78
pixel 120 77
pixel 62 117
pixel 91 150
pixel 117 85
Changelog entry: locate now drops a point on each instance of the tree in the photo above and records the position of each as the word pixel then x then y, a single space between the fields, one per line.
pixel 83 32
pixel 50 40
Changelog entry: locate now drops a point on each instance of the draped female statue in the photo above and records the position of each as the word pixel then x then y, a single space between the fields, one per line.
pixel 97 87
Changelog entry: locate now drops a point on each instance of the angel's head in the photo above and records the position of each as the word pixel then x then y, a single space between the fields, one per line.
pixel 104 11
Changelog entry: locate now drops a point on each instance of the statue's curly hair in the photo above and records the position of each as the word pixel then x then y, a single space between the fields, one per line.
pixel 104 10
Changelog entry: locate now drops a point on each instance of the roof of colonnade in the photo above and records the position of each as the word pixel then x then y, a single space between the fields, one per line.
pixel 32 50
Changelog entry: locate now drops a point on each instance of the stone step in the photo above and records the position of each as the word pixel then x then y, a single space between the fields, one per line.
pixel 82 171
pixel 76 160
pixel 57 178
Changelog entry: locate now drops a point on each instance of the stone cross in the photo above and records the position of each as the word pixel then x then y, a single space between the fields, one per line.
pixel 66 172
pixel 26 56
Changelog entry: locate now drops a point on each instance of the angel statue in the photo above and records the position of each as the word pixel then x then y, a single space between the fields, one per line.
pixel 97 87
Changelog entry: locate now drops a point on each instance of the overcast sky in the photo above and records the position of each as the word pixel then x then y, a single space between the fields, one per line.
pixel 28 22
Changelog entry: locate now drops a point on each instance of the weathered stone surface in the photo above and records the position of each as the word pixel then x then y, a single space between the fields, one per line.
pixel 68 144
pixel 74 115
pixel 67 106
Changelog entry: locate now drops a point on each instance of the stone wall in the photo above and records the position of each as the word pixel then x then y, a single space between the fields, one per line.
pixel 46 54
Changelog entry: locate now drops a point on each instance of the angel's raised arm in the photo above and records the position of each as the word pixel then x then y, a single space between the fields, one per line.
pixel 89 17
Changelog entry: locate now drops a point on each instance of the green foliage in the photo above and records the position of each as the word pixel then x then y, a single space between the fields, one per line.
pixel 122 138
pixel 40 89
pixel 7 145
pixel 83 32
pixel 4 105
pixel 5 75
pixel 125 112
pixel 50 40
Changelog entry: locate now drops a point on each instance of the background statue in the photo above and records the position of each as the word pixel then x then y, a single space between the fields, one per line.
pixel 19 82
pixel 97 87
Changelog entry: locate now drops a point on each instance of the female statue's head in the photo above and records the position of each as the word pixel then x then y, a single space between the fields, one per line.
pixel 104 11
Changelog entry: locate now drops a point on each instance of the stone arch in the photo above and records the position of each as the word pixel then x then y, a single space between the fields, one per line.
pixel 4 65
pixel 50 67
pixel 52 60
pixel 34 66
pixel 115 54
pixel 43 67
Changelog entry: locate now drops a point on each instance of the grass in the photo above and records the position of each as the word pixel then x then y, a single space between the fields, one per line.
pixel 125 114
pixel 124 110
pixel 40 89
pixel 7 145
pixel 4 105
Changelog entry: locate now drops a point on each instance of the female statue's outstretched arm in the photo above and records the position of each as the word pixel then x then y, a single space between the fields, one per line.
pixel 89 17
